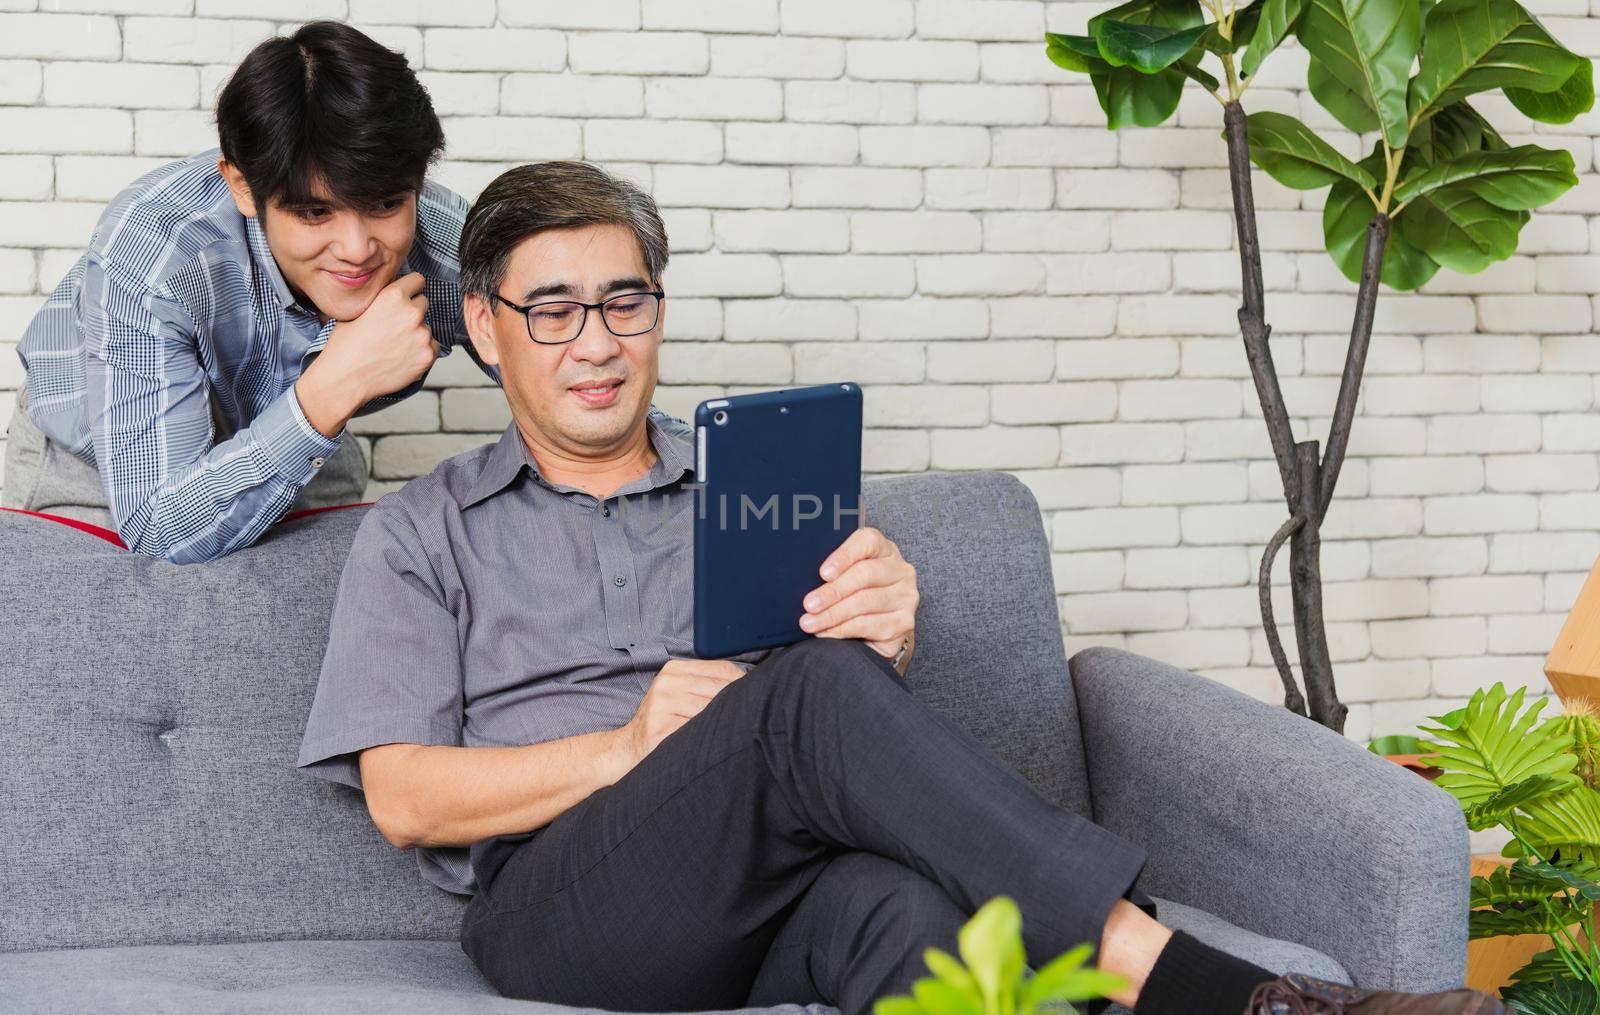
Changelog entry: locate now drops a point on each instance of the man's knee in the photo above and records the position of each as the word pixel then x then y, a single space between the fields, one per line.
pixel 820 674
pixel 827 660
pixel 890 916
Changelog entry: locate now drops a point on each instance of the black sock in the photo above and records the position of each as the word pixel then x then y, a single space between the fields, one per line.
pixel 1191 978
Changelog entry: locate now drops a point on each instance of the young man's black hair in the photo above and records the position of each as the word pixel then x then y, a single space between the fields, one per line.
pixel 327 104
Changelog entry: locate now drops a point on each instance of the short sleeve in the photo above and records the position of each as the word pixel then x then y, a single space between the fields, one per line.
pixel 392 670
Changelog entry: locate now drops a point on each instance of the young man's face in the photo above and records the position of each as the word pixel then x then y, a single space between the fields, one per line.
pixel 587 396
pixel 335 258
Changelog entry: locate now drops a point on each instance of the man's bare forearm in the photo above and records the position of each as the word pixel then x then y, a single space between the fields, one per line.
pixel 455 796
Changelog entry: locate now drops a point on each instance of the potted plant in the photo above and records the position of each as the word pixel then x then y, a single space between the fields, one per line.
pixel 1538 782
pixel 1439 187
pixel 991 981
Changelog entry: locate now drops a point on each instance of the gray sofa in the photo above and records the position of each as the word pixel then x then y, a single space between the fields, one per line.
pixel 161 853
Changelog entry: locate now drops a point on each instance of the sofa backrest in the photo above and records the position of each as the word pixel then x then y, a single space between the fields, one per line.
pixel 148 790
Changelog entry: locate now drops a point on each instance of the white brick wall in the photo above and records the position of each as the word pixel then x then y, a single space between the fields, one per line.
pixel 907 193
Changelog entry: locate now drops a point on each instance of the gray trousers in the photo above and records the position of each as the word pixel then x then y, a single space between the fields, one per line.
pixel 42 475
pixel 802 839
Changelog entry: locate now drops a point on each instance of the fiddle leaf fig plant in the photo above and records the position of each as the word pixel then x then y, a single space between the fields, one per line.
pixel 1433 186
pixel 988 978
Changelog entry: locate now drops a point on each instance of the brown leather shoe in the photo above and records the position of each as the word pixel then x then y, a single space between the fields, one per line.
pixel 1298 994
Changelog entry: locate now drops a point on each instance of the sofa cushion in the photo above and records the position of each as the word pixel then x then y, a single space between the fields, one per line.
pixel 154 711
pixel 386 976
pixel 271 978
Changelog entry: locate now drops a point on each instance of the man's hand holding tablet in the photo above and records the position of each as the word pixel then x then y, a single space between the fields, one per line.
pixel 870 593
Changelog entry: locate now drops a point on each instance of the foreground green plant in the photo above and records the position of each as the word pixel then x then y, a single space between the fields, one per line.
pixel 992 982
pixel 1439 187
pixel 1535 781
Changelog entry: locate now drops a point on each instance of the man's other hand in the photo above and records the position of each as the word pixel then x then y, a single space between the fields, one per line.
pixel 679 692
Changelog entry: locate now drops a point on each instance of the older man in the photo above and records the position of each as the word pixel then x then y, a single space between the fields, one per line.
pixel 510 669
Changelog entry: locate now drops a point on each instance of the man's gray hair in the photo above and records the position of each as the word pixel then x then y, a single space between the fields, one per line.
pixel 553 195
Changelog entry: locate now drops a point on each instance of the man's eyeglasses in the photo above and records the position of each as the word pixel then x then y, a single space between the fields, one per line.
pixel 561 321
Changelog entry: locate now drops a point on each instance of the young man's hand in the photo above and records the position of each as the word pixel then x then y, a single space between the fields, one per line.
pixel 378 353
pixel 679 692
pixel 870 593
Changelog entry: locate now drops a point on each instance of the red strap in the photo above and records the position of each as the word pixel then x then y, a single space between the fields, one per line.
pixel 308 512
pixel 111 537
pixel 93 530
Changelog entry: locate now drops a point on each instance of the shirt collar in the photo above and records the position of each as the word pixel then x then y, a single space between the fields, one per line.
pixel 510 456
pixel 269 264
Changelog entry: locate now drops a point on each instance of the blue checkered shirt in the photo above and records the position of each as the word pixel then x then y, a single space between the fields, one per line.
pixel 167 358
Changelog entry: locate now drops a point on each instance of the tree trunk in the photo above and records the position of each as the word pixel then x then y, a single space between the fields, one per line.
pixel 1308 483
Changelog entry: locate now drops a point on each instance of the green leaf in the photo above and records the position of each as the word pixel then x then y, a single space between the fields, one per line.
pixel 991 945
pixel 1508 801
pixel 1520 918
pixel 1488 745
pixel 1566 824
pixel 950 970
pixel 1349 108
pixel 1574 98
pixel 1067 979
pixel 1502 888
pixel 1295 156
pixel 1073 52
pixel 1276 21
pixel 939 998
pixel 1543 967
pixel 1400 743
pixel 1564 996
pixel 1518 178
pixel 898 1004
pixel 1145 48
pixel 1192 70
pixel 1128 96
pixel 1142 100
pixel 1477 45
pixel 1163 13
pixel 1368 47
pixel 1461 230
pixel 1452 132
pixel 1345 216
pixel 1560 878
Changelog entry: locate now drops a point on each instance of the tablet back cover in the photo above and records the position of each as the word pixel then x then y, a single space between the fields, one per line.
pixel 781 490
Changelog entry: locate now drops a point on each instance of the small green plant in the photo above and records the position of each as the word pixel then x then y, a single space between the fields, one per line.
pixel 1535 780
pixel 988 979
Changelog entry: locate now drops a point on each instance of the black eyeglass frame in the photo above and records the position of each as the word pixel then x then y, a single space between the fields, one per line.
pixel 525 310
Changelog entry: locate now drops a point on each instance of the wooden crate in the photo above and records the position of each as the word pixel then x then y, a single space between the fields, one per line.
pixel 1573 666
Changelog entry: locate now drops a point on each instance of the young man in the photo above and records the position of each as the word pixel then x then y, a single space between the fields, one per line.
pixel 510 669
pixel 190 379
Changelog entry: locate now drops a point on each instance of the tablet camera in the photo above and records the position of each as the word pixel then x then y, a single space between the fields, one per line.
pixel 721 418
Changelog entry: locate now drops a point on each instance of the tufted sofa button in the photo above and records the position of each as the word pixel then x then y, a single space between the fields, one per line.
pixel 168 736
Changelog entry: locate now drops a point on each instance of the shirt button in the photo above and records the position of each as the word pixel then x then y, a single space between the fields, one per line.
pixel 605 512
pixel 317 462
pixel 619 581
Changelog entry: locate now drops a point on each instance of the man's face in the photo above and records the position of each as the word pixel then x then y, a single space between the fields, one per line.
pixel 585 397
pixel 335 258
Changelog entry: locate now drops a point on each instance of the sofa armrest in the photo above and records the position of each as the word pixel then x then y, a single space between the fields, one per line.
pixel 1274 823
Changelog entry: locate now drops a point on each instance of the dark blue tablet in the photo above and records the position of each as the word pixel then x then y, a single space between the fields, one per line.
pixel 780 476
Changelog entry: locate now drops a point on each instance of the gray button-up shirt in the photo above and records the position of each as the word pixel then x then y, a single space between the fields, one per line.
pixel 482 606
